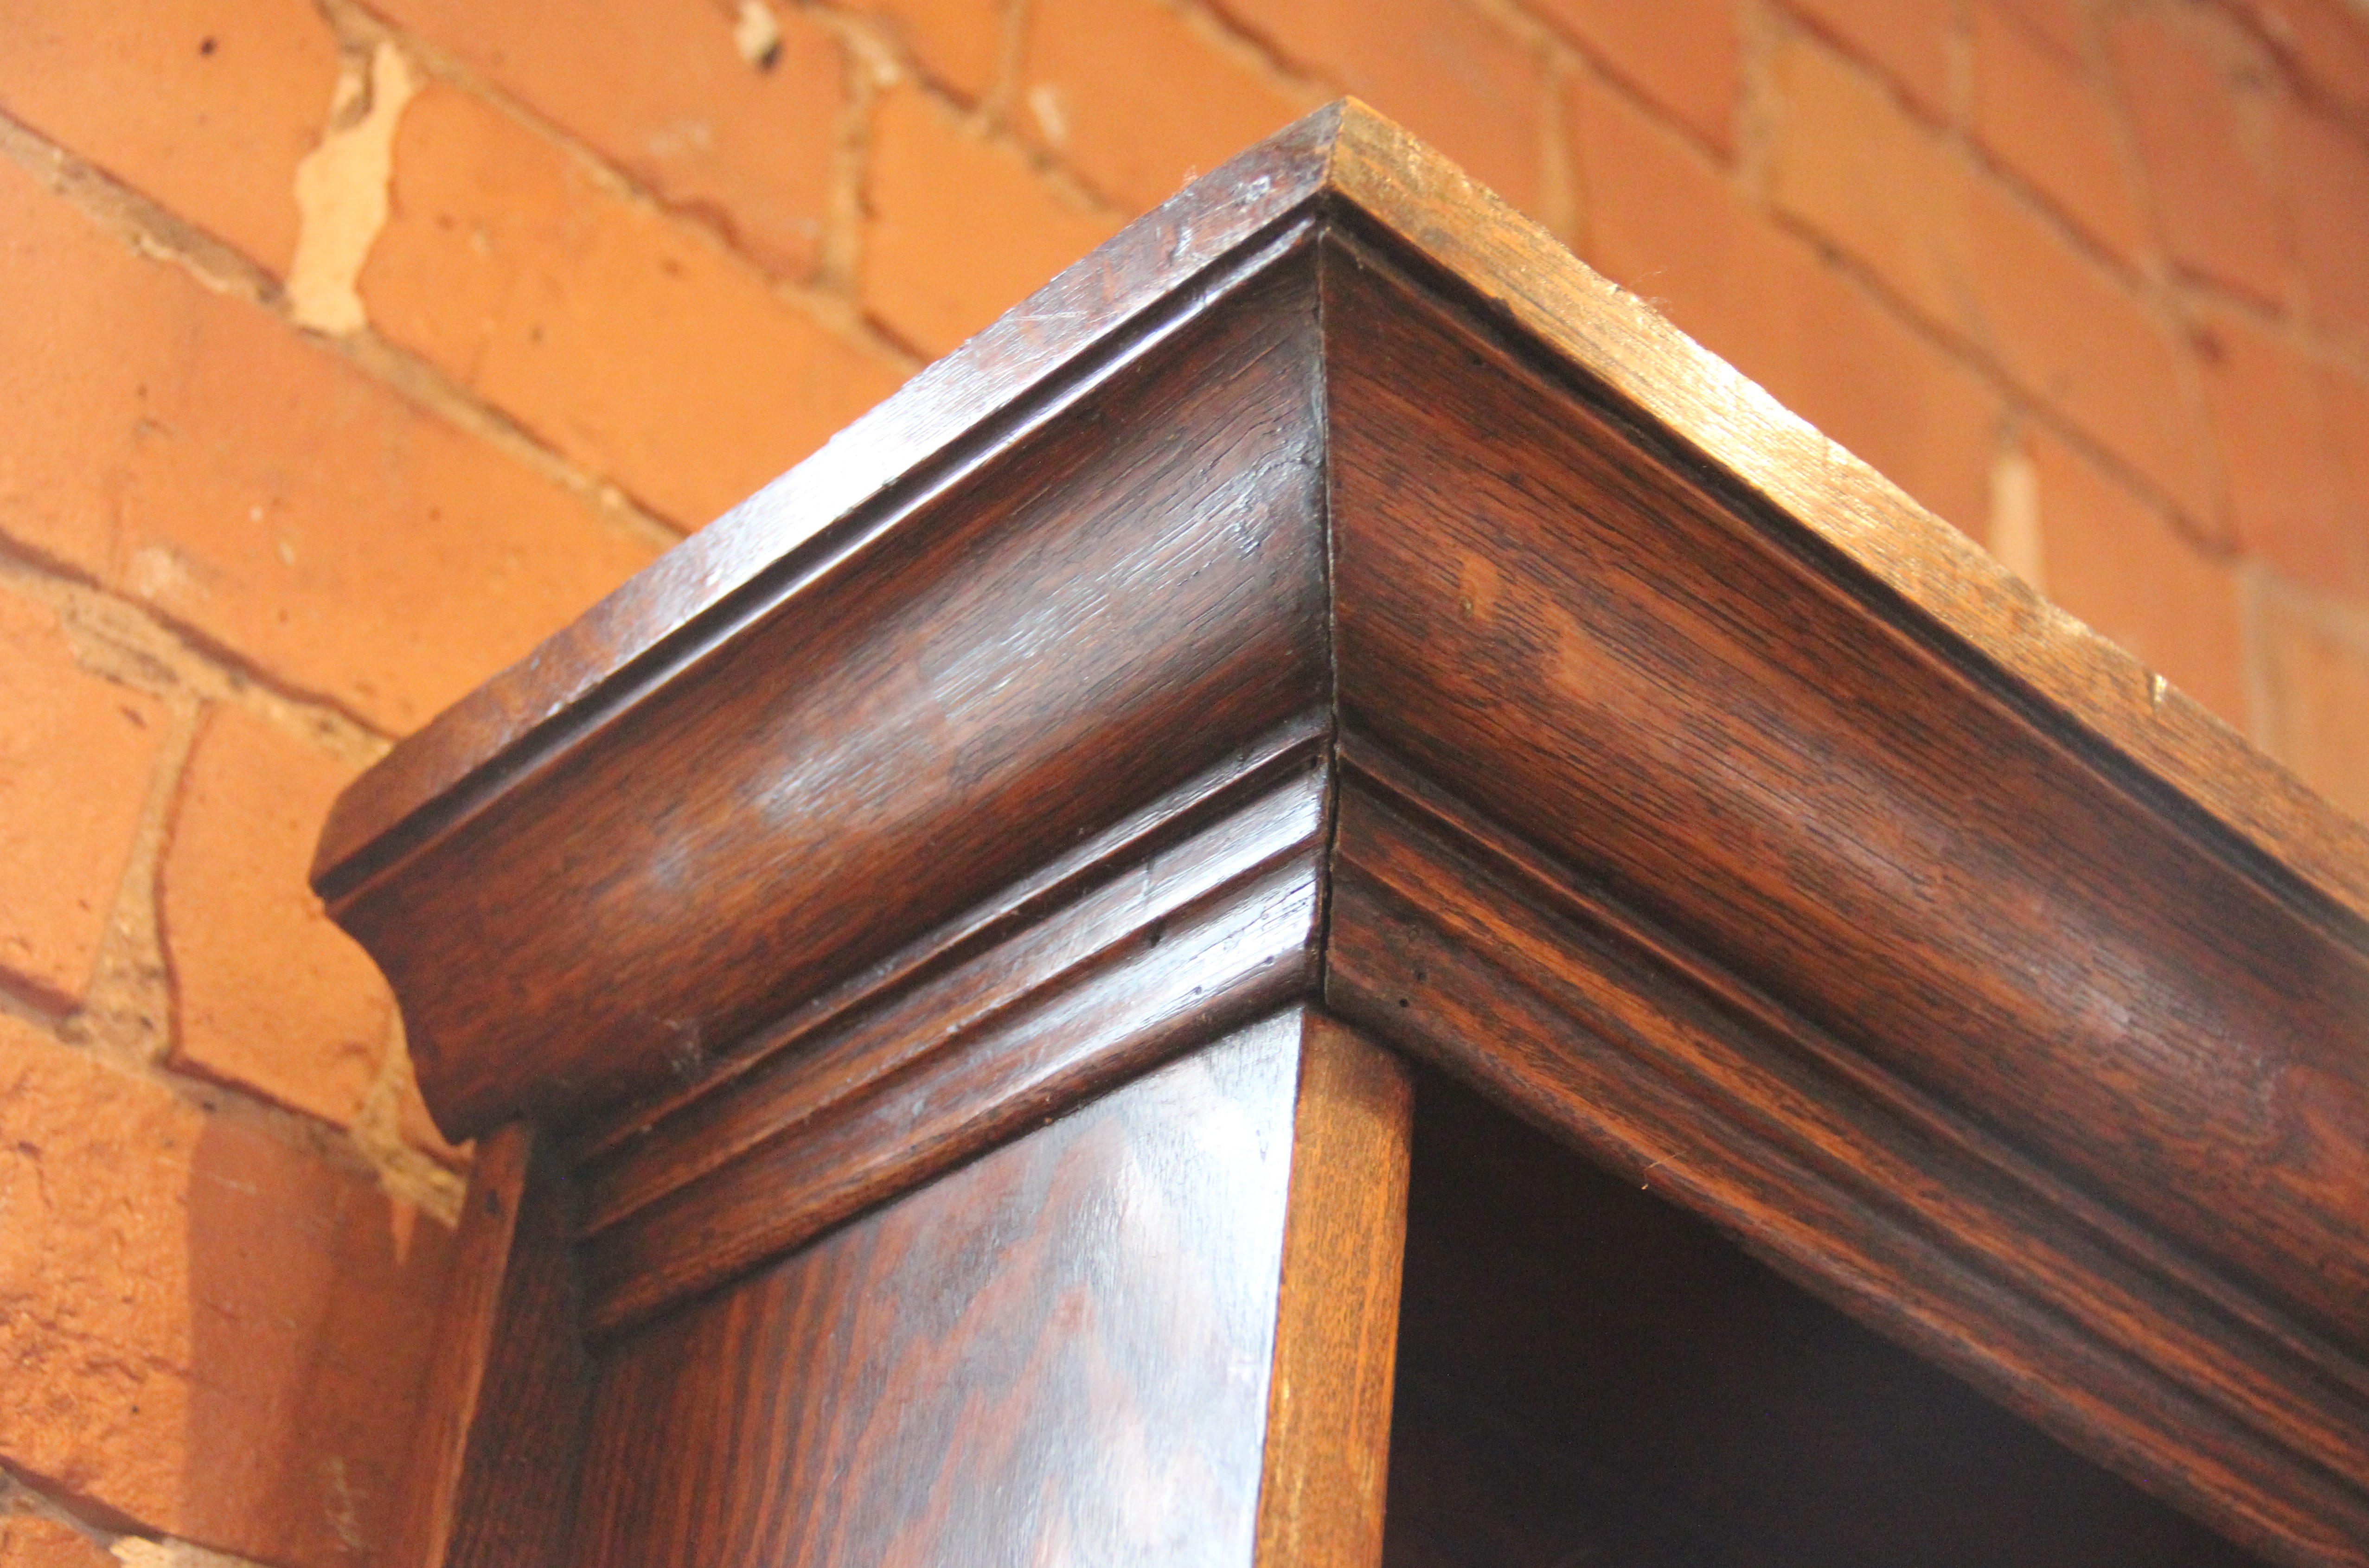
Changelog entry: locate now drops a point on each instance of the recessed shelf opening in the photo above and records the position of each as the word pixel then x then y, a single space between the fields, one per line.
pixel 1590 1377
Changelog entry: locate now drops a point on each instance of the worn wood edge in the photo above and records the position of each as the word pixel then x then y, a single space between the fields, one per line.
pixel 1039 358
pixel 1729 431
pixel 1321 1487
pixel 1241 953
pixel 1182 811
pixel 2236 1448
pixel 1126 903
pixel 465 1327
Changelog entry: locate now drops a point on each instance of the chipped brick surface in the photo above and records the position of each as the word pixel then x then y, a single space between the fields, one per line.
pixel 77 756
pixel 206 105
pixel 636 346
pixel 268 994
pixel 938 189
pixel 204 1330
pixel 665 92
pixel 190 451
pixel 1138 138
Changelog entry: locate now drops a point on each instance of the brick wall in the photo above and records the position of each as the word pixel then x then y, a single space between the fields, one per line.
pixel 346 349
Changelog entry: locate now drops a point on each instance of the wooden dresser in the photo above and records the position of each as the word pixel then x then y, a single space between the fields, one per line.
pixel 1331 863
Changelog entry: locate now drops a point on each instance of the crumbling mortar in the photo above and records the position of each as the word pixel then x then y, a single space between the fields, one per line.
pixel 22 1495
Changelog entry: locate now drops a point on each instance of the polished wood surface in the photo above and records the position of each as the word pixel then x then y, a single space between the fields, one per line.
pixel 1129 595
pixel 495 1474
pixel 1328 1427
pixel 1462 945
pixel 1331 589
pixel 1058 1354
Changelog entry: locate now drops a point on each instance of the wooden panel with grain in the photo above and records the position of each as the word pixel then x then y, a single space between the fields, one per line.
pixel 493 1482
pixel 1670 699
pixel 1451 939
pixel 1217 929
pixel 1057 1354
pixel 1328 1424
pixel 1121 599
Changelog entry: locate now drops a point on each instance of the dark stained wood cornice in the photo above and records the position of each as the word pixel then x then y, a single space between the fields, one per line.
pixel 1332 589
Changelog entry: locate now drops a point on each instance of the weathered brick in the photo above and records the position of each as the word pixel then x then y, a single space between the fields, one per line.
pixel 192 451
pixel 640 348
pixel 2325 43
pixel 268 994
pixel 209 1332
pixel 2290 497
pixel 2039 113
pixel 2315 685
pixel 1448 73
pixel 2120 565
pixel 958 42
pixel 1908 40
pixel 2057 22
pixel 2202 136
pixel 1662 221
pixel 2326 170
pixel 1683 54
pixel 1963 252
pixel 664 92
pixel 2073 334
pixel 1851 163
pixel 27 1541
pixel 937 192
pixel 1137 135
pixel 206 105
pixel 76 755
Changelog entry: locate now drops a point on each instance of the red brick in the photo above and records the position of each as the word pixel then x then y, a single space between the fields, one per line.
pixel 192 451
pixel 1907 40
pixel 209 1332
pixel 662 91
pixel 1137 133
pixel 2058 22
pixel 2290 495
pixel 2120 565
pixel 206 105
pixel 1663 222
pixel 1442 70
pixel 1968 255
pixel 268 994
pixel 2073 334
pixel 76 754
pixel 2325 43
pixel 958 42
pixel 26 1541
pixel 2200 137
pixel 1683 54
pixel 1852 165
pixel 2326 173
pixel 636 346
pixel 2039 113
pixel 961 229
pixel 2316 683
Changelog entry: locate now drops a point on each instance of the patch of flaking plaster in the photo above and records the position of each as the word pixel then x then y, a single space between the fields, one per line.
pixel 341 193
pixel 2015 518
